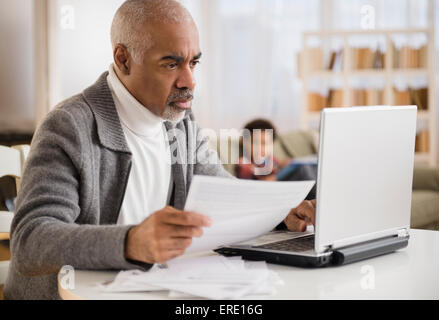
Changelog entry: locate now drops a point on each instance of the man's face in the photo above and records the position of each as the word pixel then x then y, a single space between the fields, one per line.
pixel 164 81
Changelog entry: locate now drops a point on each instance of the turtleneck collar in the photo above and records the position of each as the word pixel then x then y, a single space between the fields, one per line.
pixel 132 113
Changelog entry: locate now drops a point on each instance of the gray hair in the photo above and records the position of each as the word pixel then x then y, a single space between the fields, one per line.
pixel 134 14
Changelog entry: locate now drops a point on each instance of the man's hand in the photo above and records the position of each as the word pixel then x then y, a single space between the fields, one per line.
pixel 300 217
pixel 164 235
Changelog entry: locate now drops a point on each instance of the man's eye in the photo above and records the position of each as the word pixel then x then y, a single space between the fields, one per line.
pixel 194 63
pixel 171 66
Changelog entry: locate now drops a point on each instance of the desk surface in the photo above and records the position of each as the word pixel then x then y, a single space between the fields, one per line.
pixel 410 273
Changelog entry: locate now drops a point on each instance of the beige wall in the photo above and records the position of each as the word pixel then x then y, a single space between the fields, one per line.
pixel 17 110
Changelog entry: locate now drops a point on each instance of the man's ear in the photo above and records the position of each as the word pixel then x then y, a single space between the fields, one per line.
pixel 122 59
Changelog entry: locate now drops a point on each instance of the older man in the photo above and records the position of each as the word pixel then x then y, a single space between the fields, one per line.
pixel 100 190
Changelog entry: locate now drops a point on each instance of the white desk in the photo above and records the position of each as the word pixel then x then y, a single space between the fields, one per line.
pixel 410 273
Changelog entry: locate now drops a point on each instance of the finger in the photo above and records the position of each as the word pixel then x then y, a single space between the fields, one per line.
pixel 302 225
pixel 177 231
pixel 305 217
pixel 294 223
pixel 306 211
pixel 186 218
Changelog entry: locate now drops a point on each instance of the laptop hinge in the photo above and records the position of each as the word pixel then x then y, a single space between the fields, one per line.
pixel 403 232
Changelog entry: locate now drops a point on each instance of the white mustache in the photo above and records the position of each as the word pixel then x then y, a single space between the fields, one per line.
pixel 187 95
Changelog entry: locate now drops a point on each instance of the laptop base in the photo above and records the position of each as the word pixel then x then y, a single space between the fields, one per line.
pixel 340 256
pixel 289 259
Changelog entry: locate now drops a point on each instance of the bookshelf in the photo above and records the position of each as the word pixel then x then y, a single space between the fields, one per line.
pixel 372 67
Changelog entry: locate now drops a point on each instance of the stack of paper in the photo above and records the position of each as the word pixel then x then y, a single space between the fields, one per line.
pixel 240 210
pixel 212 277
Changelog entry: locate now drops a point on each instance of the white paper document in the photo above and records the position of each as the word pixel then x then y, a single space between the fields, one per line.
pixel 212 277
pixel 241 209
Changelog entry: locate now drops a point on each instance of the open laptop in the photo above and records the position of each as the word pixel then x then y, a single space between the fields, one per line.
pixel 364 186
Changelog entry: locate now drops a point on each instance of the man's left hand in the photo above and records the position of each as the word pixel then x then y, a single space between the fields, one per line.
pixel 300 217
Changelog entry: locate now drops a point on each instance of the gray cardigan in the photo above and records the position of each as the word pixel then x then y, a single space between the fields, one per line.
pixel 73 187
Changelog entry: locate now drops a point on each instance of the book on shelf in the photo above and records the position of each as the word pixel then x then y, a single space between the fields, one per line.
pixel 379 60
pixel 332 60
pixel 358 97
pixel 311 59
pixel 316 102
pixel 367 97
pixel 415 98
pixel 409 57
pixel 336 61
pixel 411 96
pixel 406 57
pixel 366 58
pixel 423 57
pixel 335 98
pixel 422 143
pixel 423 98
pixel 374 97
pixel 401 98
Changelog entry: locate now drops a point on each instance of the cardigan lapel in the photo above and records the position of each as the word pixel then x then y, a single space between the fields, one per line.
pixel 101 103
pixel 177 147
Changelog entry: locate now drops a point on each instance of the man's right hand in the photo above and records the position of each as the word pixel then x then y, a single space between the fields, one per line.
pixel 164 235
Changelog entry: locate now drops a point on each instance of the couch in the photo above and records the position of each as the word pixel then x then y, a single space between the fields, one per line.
pixel 425 195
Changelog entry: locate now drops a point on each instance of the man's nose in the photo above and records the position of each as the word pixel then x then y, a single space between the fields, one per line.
pixel 186 79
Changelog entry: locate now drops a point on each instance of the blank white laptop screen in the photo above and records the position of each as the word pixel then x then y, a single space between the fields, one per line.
pixel 364 187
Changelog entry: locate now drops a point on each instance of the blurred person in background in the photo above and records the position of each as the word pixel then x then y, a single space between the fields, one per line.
pixel 259 151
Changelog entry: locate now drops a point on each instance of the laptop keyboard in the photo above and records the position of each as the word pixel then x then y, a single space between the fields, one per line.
pixel 297 244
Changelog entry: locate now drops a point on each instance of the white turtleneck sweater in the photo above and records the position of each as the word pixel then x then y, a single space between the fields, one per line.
pixel 150 181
